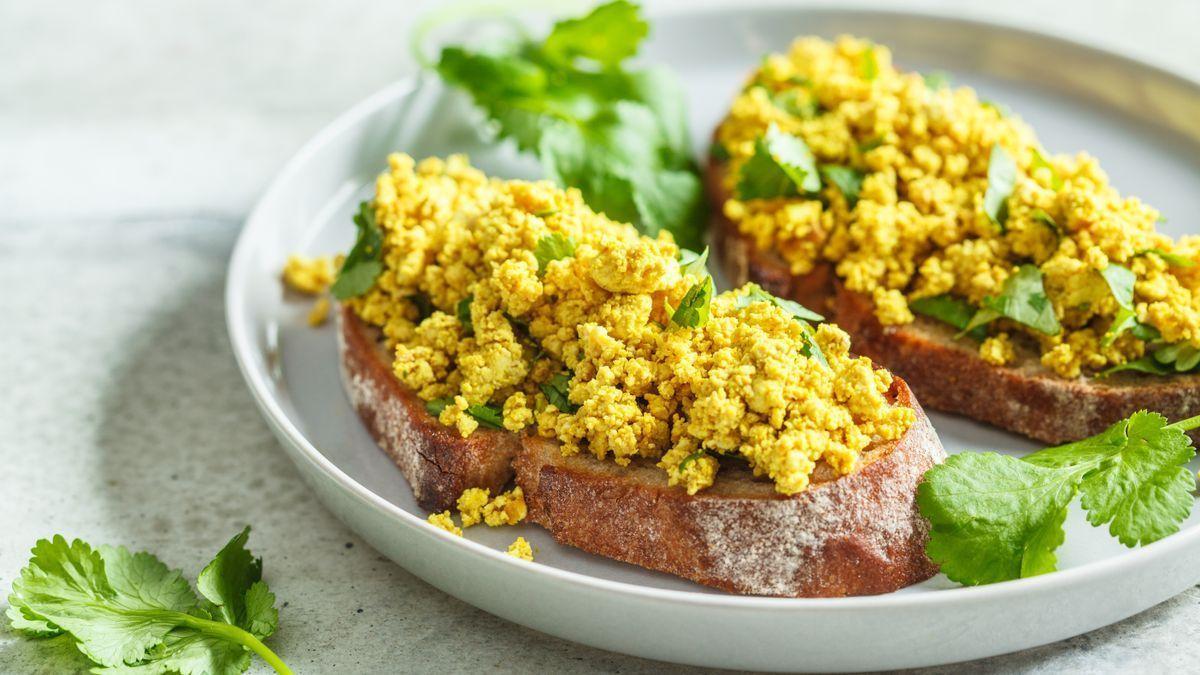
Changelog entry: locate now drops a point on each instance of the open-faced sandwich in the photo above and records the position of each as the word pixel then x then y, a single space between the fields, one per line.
pixel 1004 283
pixel 497 331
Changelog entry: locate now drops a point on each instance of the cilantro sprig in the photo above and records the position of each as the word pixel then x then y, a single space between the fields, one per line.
pixel 996 517
pixel 1001 179
pixel 693 309
pixel 555 246
pixel 364 262
pixel 489 416
pixel 557 391
pixel 129 612
pixel 781 166
pixel 949 309
pixel 619 135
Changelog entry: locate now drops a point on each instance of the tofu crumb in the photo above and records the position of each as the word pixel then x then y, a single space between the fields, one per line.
pixel 470 505
pixel 521 549
pixel 445 522
pixel 319 313
pixel 507 508
pixel 311 276
pixel 997 350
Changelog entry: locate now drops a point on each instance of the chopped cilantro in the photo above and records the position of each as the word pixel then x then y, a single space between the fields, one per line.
pixel 949 309
pixel 1044 218
pixel 719 152
pixel 937 80
pixel 1040 162
pixel 848 180
pixel 1172 259
pixel 1023 299
pixel 557 391
pixel 782 166
pixel 487 415
pixel 364 261
pixel 693 263
pixel 692 311
pixel 1002 177
pixel 868 66
pixel 463 311
pixel 552 247
pixel 689 459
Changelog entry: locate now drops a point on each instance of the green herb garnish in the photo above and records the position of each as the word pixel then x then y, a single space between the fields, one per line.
pixel 1040 162
pixel 719 152
pixel 695 264
pixel 619 135
pixel 868 67
pixel 996 517
pixel 463 311
pixel 793 103
pixel 1044 218
pixel 487 415
pixel 688 460
pixel 1120 282
pixel 1172 259
pixel 364 261
pixel 937 80
pixel 870 144
pixel 1023 299
pixel 848 180
pixel 552 247
pixel 1146 364
pixel 546 213
pixel 128 612
pixel 1002 177
pixel 692 311
pixel 948 309
pixel 557 392
pixel 1182 357
pixel 781 166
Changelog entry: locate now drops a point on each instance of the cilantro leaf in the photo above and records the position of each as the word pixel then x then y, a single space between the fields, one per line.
pixel 848 180
pixel 1172 259
pixel 937 80
pixel 1181 356
pixel 1046 219
pixel 128 612
pixel 1002 178
pixel 995 517
pixel 718 152
pixel 552 247
pixel 868 67
pixel 792 102
pixel 781 166
pixel 1040 162
pixel 949 309
pixel 693 263
pixel 1120 281
pixel 488 416
pixel 692 311
pixel 233 583
pixel 1146 364
pixel 364 261
pixel 463 311
pixel 1023 299
pixel 618 135
pixel 557 390
pixel 688 460
pixel 608 35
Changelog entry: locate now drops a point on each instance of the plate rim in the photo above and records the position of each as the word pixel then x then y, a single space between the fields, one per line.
pixel 257 380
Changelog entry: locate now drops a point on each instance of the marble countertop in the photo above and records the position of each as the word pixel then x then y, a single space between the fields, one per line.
pixel 134 137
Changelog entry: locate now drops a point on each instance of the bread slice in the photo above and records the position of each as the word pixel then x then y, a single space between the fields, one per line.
pixel 435 459
pixel 850 535
pixel 947 373
pixel 858 534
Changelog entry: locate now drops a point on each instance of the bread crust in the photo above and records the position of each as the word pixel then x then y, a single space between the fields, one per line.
pixel 859 534
pixel 947 374
pixel 435 459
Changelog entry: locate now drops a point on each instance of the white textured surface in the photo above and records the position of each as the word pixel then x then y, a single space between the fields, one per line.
pixel 133 138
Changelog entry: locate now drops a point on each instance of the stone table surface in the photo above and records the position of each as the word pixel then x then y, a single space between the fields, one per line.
pixel 134 137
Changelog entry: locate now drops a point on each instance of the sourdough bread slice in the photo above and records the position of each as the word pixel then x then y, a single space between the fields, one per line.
pixel 435 459
pixel 858 534
pixel 947 373
pixel 850 535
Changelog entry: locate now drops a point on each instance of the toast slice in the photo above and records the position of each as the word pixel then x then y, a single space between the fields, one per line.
pixel 437 462
pixel 858 534
pixel 947 373
pixel 851 535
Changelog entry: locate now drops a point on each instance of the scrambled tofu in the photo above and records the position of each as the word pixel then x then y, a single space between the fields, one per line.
pixel 920 227
pixel 495 326
pixel 311 276
pixel 521 549
pixel 444 521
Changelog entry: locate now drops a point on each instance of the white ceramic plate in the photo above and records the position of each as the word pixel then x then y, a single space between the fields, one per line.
pixel 1142 123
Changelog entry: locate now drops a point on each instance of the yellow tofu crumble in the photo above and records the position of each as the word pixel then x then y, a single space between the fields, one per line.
pixel 445 522
pixel 474 318
pixel 920 228
pixel 311 276
pixel 521 549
